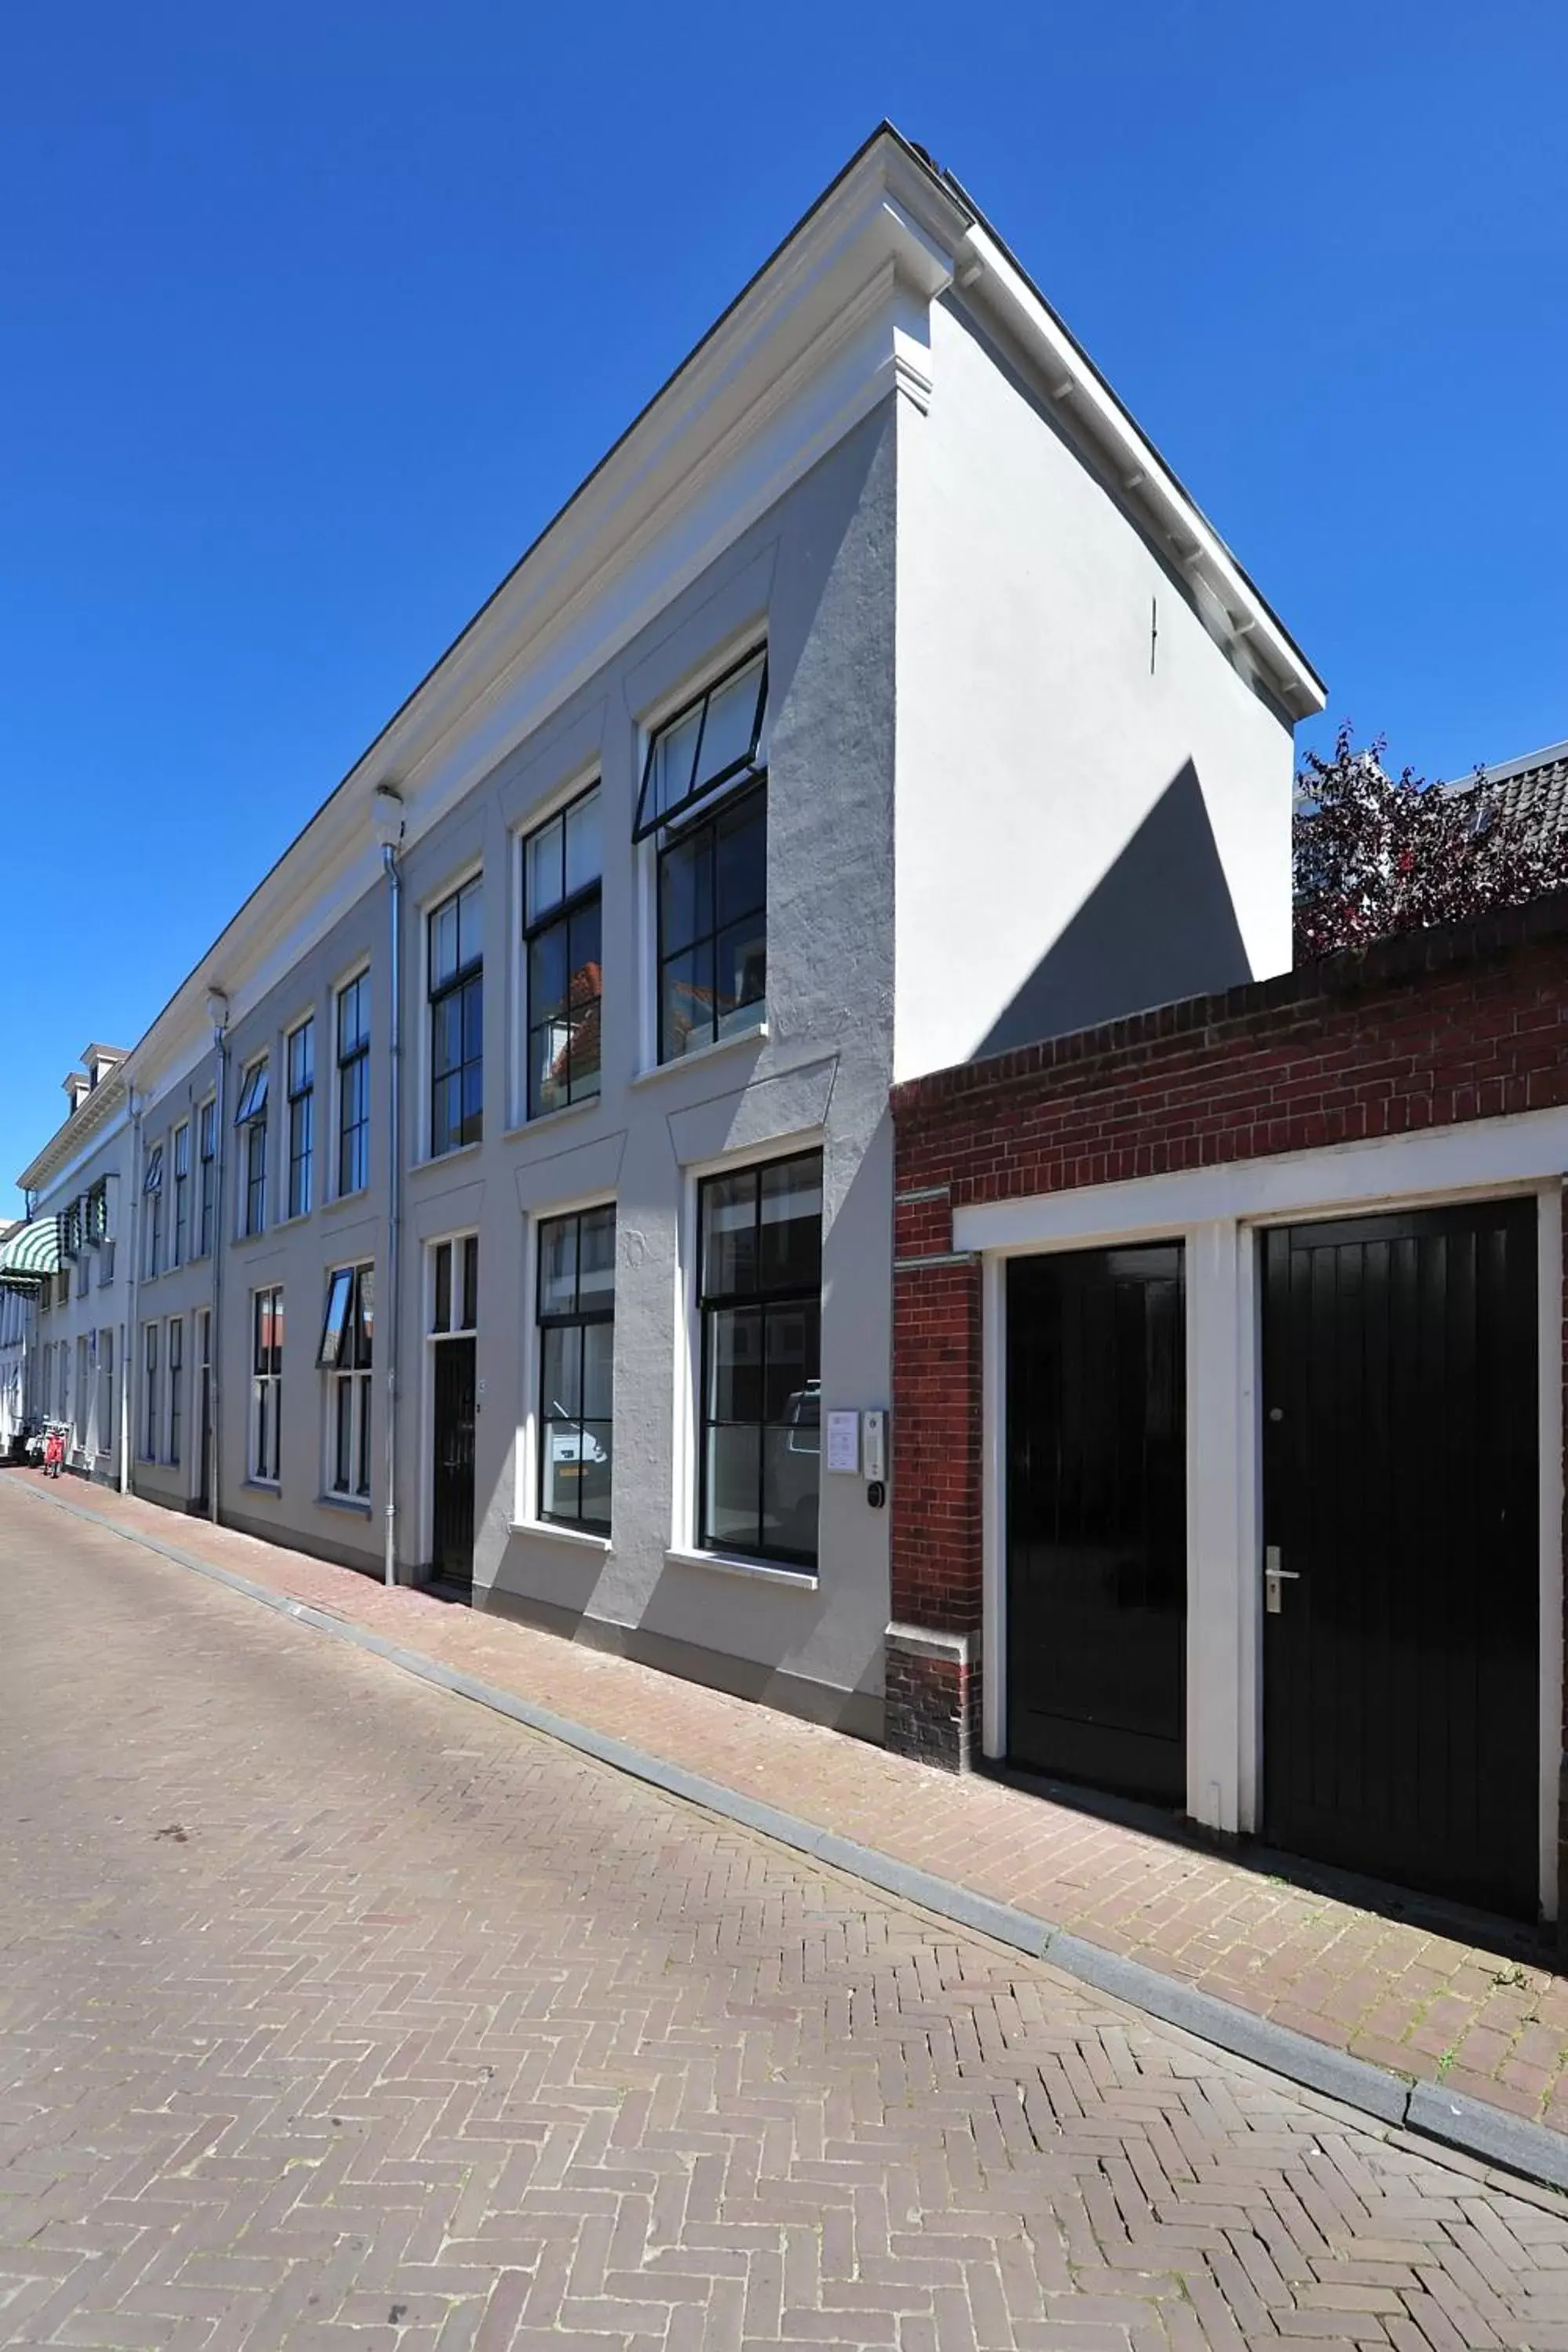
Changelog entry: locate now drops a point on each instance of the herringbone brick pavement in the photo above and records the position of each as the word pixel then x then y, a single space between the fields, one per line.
pixel 335 2012
pixel 1433 2006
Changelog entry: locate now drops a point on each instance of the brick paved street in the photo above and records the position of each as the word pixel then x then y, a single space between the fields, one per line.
pixel 337 2012
pixel 1391 1991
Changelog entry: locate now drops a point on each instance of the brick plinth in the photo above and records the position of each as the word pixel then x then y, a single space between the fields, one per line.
pixel 933 1698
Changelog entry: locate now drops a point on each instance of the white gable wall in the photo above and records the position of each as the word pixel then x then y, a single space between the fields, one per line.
pixel 1034 743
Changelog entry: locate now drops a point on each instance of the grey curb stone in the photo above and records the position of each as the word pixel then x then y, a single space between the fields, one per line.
pixel 1491 2133
pixel 1473 2125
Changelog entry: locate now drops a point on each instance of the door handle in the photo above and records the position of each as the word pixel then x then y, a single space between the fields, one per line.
pixel 1274 1577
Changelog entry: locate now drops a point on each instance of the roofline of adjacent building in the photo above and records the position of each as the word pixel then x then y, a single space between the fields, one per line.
pixel 75 1132
pixel 986 274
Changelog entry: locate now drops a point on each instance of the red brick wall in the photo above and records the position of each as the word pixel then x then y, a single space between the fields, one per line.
pixel 1428 1031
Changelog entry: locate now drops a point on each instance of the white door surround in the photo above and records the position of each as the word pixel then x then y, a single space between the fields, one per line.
pixel 1217 1212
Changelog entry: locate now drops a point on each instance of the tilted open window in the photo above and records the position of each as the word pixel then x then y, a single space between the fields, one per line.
pixel 153 1180
pixel 716 738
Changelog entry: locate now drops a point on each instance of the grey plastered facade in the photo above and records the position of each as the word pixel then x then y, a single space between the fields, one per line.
pixel 815 478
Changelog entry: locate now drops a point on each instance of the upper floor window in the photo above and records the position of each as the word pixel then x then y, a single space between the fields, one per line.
pixel 302 1058
pixel 153 1213
pixel 354 1085
pixel 250 1118
pixel 576 1317
pixel 182 1232
pixel 704 798
pixel 206 1157
pixel 344 1355
pixel 98 1212
pixel 457 1019
pixel 563 866
pixel 760 1297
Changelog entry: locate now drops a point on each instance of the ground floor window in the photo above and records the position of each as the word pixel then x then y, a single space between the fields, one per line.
pixel 760 1300
pixel 266 1382
pixel 344 1355
pixel 176 1386
pixel 576 1317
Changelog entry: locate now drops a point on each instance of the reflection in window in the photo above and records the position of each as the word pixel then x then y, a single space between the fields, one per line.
pixel 759 1293
pixel 576 1317
pixel 562 865
pixel 457 1019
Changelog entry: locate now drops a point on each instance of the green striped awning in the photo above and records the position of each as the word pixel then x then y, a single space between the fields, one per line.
pixel 32 1251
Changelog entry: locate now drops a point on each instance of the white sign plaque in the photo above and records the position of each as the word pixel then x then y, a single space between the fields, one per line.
pixel 844 1441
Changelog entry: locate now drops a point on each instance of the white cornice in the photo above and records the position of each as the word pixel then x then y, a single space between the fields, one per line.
pixel 86 1130
pixel 837 321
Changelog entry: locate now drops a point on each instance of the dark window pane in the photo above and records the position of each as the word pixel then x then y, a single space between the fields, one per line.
pixel 743 973
pixel 442 1318
pixel 544 863
pixel 598 1370
pixel 686 891
pixel 598 1230
pixel 547 973
pixel 791 1463
pixel 473 1002
pixel 471 1282
pixel 343 1451
pixel 793 1353
pixel 561 1372
pixel 742 854
pixel 735 1364
pixel 446 1035
pixel 558 1266
pixel 792 1224
pixel 473 1124
pixel 686 1018
pixel 731 1489
pixel 729 1235
pixel 594 1488
pixel 362 1481
pixel 584 857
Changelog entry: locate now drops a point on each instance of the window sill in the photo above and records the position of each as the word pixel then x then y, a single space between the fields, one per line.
pixel 356 1200
pixel 574 1538
pixel 463 1152
pixel 261 1486
pixel 756 1036
pixel 802 1580
pixel 549 1118
pixel 300 1216
pixel 357 1504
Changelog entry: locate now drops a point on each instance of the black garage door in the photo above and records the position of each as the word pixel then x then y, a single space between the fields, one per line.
pixel 1097 1519
pixel 1401 1505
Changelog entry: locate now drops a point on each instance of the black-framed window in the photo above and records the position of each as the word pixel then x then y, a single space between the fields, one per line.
pixel 98 1212
pixel 301 1076
pixel 713 926
pixel 354 1085
pixel 206 1162
pixel 344 1355
pixel 176 1386
pixel 576 1317
pixel 149 1393
pixel 153 1213
pixel 562 866
pixel 181 1237
pixel 760 1301
pixel 710 740
pixel 250 1118
pixel 266 1381
pixel 457 1019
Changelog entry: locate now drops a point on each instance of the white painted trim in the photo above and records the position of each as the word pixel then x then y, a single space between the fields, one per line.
pixel 1480 1157
pixel 1549 1258
pixel 526 1477
pixel 992 1535
pixel 806 1580
pixel 1218 1214
pixel 574 1538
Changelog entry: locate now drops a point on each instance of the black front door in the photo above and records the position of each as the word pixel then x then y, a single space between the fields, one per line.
pixel 1096 1559
pixel 1401 1507
pixel 452 1518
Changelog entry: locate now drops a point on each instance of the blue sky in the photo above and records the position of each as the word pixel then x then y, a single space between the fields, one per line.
pixel 313 314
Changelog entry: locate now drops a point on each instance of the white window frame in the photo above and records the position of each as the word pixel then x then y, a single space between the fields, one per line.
pixel 686 1416
pixel 244 1230
pixel 333 1190
pixel 273 1383
pixel 149 1425
pixel 1218 1214
pixel 757 635
pixel 525 1518
pixel 361 1382
pixel 425 1060
pixel 548 805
